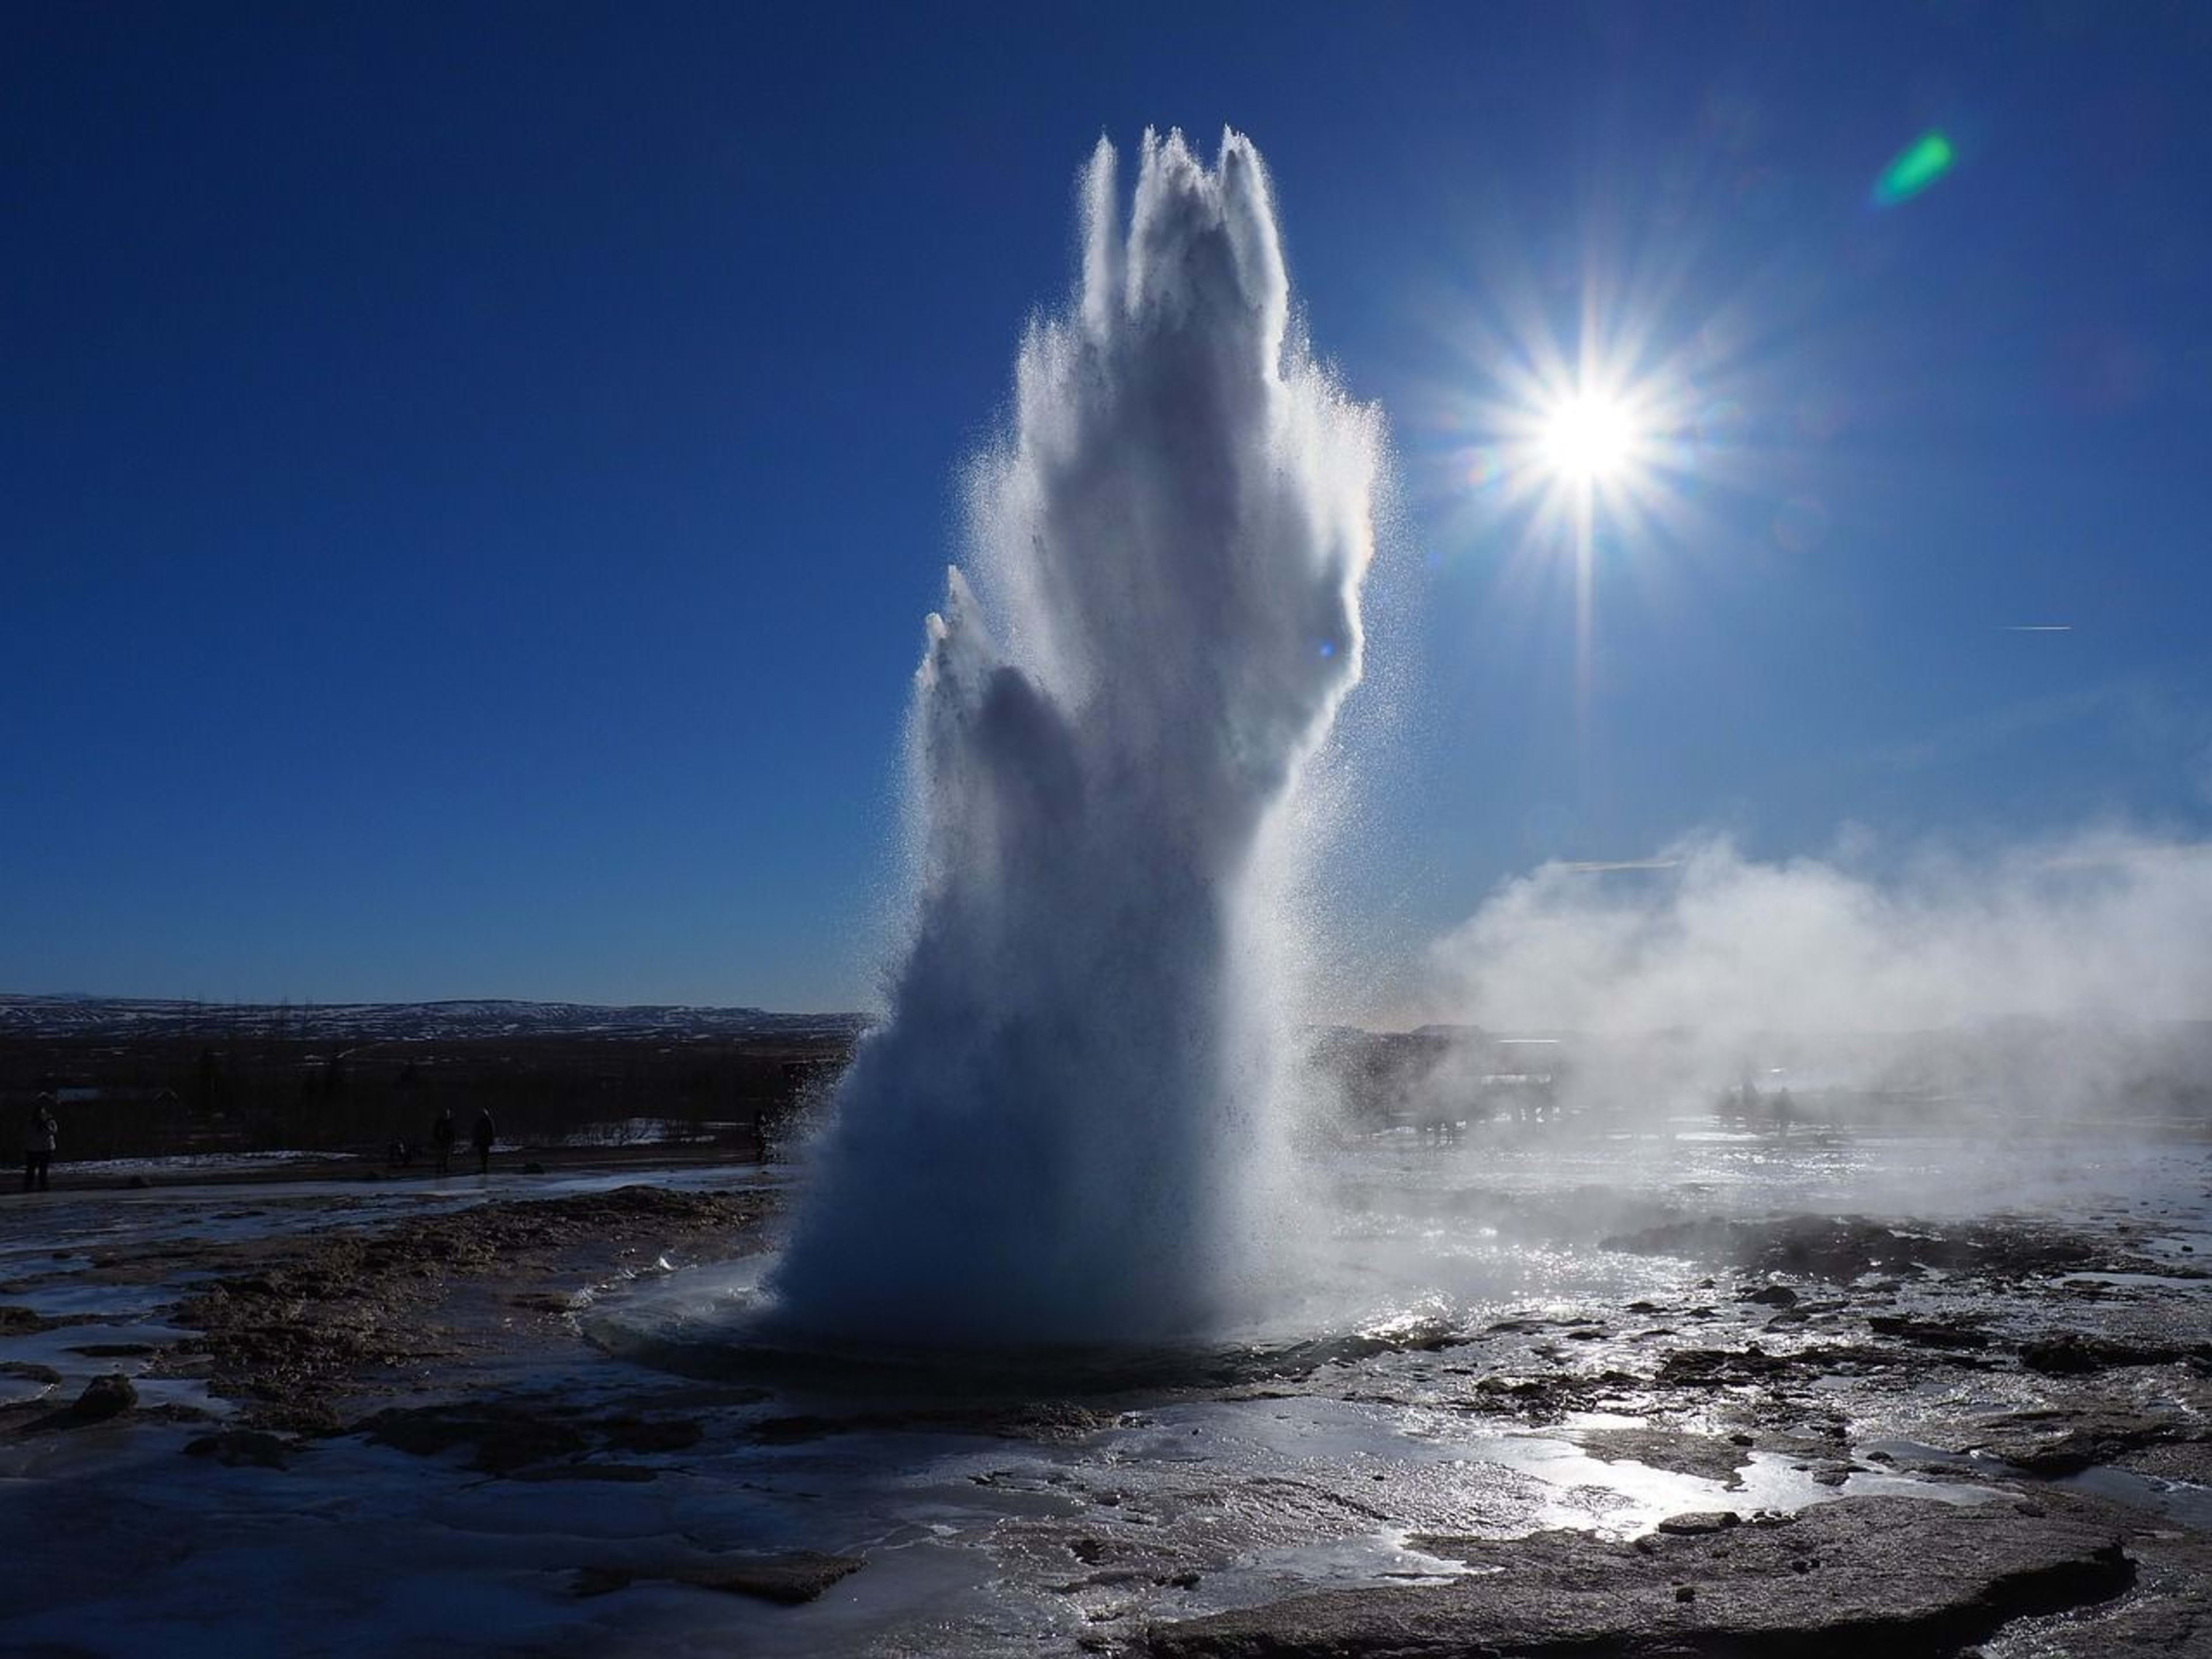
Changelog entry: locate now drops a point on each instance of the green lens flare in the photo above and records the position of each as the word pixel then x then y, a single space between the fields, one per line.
pixel 1922 161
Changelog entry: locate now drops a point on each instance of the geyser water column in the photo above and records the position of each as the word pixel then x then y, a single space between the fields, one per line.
pixel 1069 1127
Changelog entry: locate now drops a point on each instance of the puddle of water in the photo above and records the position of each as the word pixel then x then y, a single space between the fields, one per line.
pixel 2180 1501
pixel 66 1299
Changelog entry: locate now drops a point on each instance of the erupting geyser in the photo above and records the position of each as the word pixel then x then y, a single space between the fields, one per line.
pixel 1069 1127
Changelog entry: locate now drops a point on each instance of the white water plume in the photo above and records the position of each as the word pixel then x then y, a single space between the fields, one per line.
pixel 1070 1125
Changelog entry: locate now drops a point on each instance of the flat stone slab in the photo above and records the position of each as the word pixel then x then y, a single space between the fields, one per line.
pixel 1706 1455
pixel 795 1576
pixel 1900 1576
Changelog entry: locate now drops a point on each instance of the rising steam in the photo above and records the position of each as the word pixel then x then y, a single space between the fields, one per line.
pixel 1068 1126
pixel 2077 967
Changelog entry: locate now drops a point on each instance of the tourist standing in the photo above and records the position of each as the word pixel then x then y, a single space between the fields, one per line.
pixel 482 1137
pixel 442 1135
pixel 39 1145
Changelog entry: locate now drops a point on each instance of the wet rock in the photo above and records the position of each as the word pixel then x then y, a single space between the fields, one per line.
pixel 2168 1616
pixel 1053 1421
pixel 1843 1248
pixel 115 1350
pixel 505 1437
pixel 799 1427
pixel 798 1575
pixel 1858 1356
pixel 795 1576
pixel 303 1417
pixel 658 1434
pixel 1774 1295
pixel 1700 1520
pixel 1056 1421
pixel 622 1473
pixel 316 1320
pixel 1713 1368
pixel 1536 1399
pixel 1959 1333
pixel 2062 1441
pixel 2075 1353
pixel 104 1397
pixel 244 1449
pixel 1700 1455
pixel 1902 1576
pixel 2189 1461
pixel 24 1321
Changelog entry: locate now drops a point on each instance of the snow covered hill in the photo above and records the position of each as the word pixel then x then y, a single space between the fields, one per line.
pixel 128 1017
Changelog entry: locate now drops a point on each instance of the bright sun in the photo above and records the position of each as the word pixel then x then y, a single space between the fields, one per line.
pixel 1588 438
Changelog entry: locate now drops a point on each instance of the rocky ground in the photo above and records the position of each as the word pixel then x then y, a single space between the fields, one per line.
pixel 2013 1352
pixel 2062 1371
pixel 310 1335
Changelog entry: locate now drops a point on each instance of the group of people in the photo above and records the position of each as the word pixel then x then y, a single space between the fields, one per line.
pixel 445 1132
pixel 39 1145
pixel 39 1141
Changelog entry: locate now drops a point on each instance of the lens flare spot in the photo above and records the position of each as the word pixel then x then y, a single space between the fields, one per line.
pixel 1919 164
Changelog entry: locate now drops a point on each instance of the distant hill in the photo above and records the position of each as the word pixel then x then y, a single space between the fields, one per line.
pixel 123 1017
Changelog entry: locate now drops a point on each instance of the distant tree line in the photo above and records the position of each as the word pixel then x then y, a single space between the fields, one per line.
pixel 160 1095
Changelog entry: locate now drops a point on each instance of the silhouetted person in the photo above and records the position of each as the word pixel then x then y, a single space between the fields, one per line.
pixel 39 1145
pixel 442 1135
pixel 1786 1109
pixel 482 1137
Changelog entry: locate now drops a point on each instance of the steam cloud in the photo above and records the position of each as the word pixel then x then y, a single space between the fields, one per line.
pixel 1715 956
pixel 1068 1126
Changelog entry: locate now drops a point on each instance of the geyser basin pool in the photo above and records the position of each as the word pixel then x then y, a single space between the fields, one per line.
pixel 1071 1127
pixel 1412 1251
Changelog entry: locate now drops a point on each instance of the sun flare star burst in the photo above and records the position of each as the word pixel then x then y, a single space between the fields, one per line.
pixel 1588 438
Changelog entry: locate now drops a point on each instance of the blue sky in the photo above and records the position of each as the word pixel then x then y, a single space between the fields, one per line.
pixel 475 475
